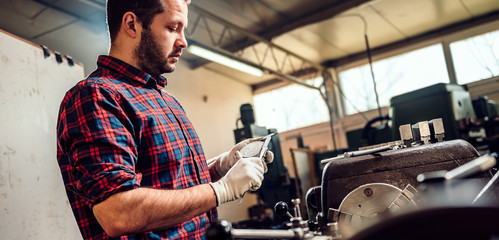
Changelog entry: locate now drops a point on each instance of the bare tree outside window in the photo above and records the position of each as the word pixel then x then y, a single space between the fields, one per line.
pixel 476 58
pixel 394 76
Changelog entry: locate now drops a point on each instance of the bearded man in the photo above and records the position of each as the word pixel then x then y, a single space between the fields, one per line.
pixel 131 161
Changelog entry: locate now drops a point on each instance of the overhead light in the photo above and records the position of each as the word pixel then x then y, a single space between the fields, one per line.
pixel 226 61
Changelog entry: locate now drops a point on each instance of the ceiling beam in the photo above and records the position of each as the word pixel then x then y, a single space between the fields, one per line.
pixel 277 73
pixel 288 24
pixel 319 14
pixel 434 34
pixel 93 19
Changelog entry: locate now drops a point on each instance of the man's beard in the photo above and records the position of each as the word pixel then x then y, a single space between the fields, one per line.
pixel 149 55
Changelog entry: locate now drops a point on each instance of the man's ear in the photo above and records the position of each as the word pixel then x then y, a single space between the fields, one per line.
pixel 130 25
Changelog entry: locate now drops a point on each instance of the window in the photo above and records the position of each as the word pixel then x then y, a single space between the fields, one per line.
pixel 476 58
pixel 290 107
pixel 394 76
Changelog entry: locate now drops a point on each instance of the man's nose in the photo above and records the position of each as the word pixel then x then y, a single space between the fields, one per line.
pixel 181 41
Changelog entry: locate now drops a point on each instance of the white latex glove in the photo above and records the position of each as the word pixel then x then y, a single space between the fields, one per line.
pixel 246 174
pixel 224 162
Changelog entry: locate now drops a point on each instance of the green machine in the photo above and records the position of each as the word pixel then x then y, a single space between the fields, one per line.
pixel 451 102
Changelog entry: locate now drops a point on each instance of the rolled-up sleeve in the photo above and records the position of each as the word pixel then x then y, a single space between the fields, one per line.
pixel 96 138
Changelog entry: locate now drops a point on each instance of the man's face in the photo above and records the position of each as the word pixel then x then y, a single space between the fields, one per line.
pixel 162 42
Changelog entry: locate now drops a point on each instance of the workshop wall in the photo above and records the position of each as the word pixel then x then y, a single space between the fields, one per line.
pixel 32 197
pixel 212 103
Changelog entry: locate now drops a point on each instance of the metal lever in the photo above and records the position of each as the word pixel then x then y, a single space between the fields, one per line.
pixel 359 153
pixel 437 129
pixel 493 181
pixel 296 202
pixel 480 164
pixel 421 132
pixel 406 134
pixel 475 166
pixel 282 208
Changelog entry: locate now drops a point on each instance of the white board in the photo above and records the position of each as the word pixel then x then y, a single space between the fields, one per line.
pixel 33 203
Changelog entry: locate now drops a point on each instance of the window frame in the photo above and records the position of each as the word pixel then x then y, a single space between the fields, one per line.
pixel 444 40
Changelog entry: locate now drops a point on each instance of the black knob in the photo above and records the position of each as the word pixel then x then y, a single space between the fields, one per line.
pixel 219 230
pixel 313 226
pixel 281 208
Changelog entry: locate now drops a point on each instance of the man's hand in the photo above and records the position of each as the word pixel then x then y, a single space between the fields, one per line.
pixel 224 162
pixel 246 174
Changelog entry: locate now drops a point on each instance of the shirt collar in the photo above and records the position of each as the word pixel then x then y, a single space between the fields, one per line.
pixel 130 71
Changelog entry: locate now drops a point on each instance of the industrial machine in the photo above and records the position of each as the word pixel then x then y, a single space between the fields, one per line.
pixel 419 187
pixel 475 121
pixel 450 102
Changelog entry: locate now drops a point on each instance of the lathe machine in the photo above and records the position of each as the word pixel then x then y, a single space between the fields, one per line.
pixel 420 187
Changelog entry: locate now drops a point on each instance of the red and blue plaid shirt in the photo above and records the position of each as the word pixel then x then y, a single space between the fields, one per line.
pixel 118 130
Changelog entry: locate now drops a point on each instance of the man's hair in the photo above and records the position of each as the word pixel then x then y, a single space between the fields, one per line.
pixel 144 9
